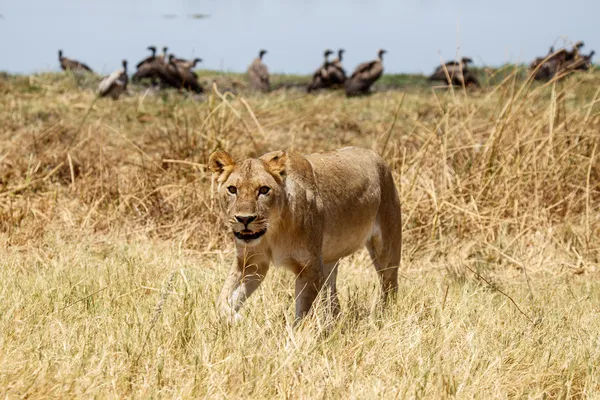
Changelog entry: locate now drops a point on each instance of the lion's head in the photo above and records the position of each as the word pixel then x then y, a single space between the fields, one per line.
pixel 252 191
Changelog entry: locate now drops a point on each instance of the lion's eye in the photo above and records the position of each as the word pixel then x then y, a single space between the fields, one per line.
pixel 232 189
pixel 264 190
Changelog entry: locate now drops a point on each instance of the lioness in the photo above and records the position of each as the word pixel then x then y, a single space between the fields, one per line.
pixel 305 213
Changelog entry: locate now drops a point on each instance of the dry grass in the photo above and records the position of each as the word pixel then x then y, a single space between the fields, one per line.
pixel 112 249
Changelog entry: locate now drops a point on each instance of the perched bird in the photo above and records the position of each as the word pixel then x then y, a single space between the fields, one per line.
pixel 157 70
pixel 181 78
pixel 147 68
pixel 114 84
pixel 458 73
pixel 338 60
pixel 148 60
pixel 452 67
pixel 574 53
pixel 335 71
pixel 539 60
pixel 561 62
pixel 163 57
pixel 320 79
pixel 71 65
pixel 258 73
pixel 187 64
pixel 582 62
pixel 364 76
pixel 587 60
pixel 146 71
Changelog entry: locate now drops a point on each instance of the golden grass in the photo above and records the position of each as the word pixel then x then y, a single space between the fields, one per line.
pixel 113 250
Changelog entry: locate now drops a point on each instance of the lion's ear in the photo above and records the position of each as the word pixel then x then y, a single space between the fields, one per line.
pixel 275 162
pixel 220 161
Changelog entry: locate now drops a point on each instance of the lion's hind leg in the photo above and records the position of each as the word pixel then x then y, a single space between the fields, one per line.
pixel 385 243
pixel 386 270
pixel 384 247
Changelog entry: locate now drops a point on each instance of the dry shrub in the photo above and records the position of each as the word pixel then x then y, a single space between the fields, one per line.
pixel 503 162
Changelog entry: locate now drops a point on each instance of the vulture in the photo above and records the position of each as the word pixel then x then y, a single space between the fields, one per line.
pixel 114 84
pixel 180 77
pixel 582 62
pixel 452 67
pixel 163 58
pixel 364 76
pixel 148 60
pixel 156 69
pixel 547 69
pixel 147 68
pixel 539 60
pixel 258 74
pixel 574 53
pixel 71 65
pixel 187 64
pixel 320 79
pixel 560 62
pixel 458 73
pixel 587 61
pixel 335 71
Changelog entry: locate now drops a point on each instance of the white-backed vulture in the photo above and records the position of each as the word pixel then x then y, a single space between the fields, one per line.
pixel 574 53
pixel 561 62
pixel 258 74
pixel 458 73
pixel 187 64
pixel 158 72
pixel 149 59
pixel 320 78
pixel 183 77
pixel 364 76
pixel 147 68
pixel 452 67
pixel 163 58
pixel 114 84
pixel 582 62
pixel 539 60
pixel 335 71
pixel 68 64
pixel 587 61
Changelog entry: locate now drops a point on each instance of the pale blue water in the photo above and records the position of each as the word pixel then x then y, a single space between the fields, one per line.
pixel 416 33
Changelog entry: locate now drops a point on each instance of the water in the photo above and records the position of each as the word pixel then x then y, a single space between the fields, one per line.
pixel 417 34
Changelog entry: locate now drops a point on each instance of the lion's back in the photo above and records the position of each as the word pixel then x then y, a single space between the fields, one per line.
pixel 348 169
pixel 352 183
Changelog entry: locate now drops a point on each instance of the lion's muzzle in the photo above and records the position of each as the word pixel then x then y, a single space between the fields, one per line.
pixel 247 229
pixel 247 235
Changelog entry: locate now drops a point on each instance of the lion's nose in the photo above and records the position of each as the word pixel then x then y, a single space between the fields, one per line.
pixel 245 219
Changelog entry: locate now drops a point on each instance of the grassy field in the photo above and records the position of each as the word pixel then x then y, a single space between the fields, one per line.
pixel 112 250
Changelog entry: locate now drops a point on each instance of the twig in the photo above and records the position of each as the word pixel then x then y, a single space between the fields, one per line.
pixel 83 298
pixel 135 146
pixel 190 163
pixel 82 121
pixel 479 276
pixel 389 133
pixel 587 199
pixel 445 297
pixel 158 309
pixel 260 129
pixel 237 114
pixel 72 171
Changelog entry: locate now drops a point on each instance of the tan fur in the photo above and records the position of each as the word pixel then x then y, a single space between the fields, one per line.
pixel 318 209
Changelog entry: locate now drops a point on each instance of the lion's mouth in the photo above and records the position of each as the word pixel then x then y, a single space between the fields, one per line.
pixel 248 235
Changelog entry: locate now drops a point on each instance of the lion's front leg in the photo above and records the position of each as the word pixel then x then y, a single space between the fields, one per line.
pixel 244 278
pixel 309 280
